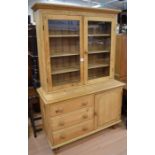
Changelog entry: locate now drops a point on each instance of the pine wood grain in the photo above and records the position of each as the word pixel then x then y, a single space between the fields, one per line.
pixel 37 6
pixel 70 93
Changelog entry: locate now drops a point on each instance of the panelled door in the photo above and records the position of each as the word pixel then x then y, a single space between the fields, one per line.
pixel 64 50
pixel 98 48
pixel 108 106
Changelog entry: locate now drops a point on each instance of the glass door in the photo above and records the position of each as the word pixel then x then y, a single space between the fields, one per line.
pixel 64 35
pixel 98 47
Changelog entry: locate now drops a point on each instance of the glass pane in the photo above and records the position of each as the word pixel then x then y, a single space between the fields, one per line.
pixel 64 43
pixel 99 46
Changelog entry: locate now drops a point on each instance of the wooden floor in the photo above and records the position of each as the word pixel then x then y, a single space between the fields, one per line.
pixel 112 141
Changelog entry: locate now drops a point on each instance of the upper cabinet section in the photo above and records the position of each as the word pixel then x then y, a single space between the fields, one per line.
pixel 76 45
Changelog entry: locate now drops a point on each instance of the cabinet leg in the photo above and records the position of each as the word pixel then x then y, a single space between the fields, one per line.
pixel 115 126
pixel 56 151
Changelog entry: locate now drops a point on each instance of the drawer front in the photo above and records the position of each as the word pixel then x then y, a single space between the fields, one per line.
pixel 72 132
pixel 72 118
pixel 71 105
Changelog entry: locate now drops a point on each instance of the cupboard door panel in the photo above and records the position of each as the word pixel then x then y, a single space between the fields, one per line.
pixel 108 106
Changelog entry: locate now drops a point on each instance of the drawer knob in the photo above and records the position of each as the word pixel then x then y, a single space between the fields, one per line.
pixel 59 111
pixel 61 124
pixel 84 103
pixel 84 129
pixel 85 116
pixel 62 137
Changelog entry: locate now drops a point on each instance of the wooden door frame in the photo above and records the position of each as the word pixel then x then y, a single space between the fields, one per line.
pixel 112 52
pixel 47 49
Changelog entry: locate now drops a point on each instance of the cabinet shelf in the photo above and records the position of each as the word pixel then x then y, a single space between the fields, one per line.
pixel 91 66
pixel 96 52
pixel 59 83
pixel 98 35
pixel 63 35
pixel 65 70
pixel 55 55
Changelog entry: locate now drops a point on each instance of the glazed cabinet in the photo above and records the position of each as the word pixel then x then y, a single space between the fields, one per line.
pixel 78 49
pixel 78 93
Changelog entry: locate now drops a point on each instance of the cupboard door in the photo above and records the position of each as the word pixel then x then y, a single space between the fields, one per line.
pixel 64 46
pixel 108 106
pixel 99 48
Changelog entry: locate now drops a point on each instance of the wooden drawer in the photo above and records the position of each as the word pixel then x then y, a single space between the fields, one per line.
pixel 72 132
pixel 71 105
pixel 72 118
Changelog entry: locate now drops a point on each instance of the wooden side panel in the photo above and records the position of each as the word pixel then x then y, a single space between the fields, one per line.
pixel 41 50
pixel 108 106
pixel 45 119
pixel 113 48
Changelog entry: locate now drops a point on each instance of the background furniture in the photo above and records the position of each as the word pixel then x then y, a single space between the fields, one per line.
pixel 121 58
pixel 34 110
pixel 122 21
pixel 78 93
pixel 121 68
pixel 124 105
pixel 34 79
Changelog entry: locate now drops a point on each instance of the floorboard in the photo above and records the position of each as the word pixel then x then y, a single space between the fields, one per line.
pixel 111 141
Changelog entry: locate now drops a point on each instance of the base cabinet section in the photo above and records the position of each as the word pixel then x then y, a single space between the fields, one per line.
pixel 69 120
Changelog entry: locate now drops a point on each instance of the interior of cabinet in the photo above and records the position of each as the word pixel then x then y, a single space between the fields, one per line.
pixel 99 47
pixel 64 43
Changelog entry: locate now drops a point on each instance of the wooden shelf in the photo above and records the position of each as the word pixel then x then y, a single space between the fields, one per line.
pixel 91 66
pixel 65 70
pixel 95 52
pixel 98 35
pixel 55 55
pixel 63 35
pixel 66 82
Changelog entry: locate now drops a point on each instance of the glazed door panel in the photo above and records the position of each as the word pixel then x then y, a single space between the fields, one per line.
pixel 64 50
pixel 98 48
